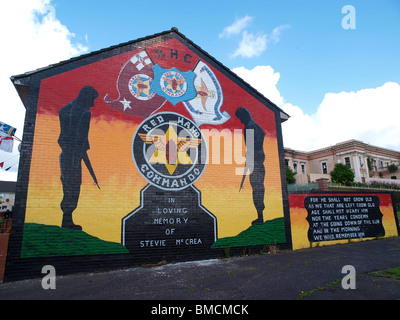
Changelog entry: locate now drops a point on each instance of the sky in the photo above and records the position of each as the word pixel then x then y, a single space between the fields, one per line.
pixel 332 65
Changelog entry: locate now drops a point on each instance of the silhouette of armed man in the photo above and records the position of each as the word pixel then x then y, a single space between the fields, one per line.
pixel 254 160
pixel 73 140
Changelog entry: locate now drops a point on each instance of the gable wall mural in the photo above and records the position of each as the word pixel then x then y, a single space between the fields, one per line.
pixel 152 151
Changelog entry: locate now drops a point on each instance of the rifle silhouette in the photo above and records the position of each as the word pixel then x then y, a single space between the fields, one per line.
pixel 244 177
pixel 90 168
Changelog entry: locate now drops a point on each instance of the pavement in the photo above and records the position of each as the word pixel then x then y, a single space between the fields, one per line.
pixel 307 274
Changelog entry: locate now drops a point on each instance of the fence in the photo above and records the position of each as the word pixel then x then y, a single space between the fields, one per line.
pixel 302 187
pixel 5 222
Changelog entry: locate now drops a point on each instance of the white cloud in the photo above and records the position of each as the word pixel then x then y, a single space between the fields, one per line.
pixel 32 38
pixel 275 35
pixel 263 79
pixel 251 46
pixel 369 115
pixel 237 27
pixel 299 129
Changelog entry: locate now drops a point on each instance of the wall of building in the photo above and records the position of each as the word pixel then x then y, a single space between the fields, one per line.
pixel 327 218
pixel 167 155
pixel 7 195
pixel 6 201
pixel 354 153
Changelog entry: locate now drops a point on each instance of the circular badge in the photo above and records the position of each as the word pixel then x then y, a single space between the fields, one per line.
pixel 173 84
pixel 169 151
pixel 140 87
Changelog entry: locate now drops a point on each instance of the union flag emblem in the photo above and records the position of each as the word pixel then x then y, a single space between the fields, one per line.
pixel 134 85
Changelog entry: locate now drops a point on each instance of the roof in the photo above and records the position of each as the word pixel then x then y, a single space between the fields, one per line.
pixel 8 186
pixel 23 81
pixel 343 145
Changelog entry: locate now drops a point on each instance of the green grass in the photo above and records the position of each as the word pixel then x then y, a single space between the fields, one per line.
pixel 393 273
pixel 303 294
pixel 270 232
pixel 46 240
pixel 390 273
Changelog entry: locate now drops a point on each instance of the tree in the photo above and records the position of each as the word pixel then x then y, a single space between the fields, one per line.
pixel 342 174
pixel 392 168
pixel 290 179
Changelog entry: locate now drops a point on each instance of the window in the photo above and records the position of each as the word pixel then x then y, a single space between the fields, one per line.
pixel 381 163
pixel 303 168
pixel 287 162
pixel 295 167
pixel 347 161
pixel 361 162
pixel 324 167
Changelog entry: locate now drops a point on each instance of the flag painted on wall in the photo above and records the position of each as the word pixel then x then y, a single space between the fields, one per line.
pixel 6 142
pixel 134 84
pixel 7 129
pixel 173 84
pixel 205 107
